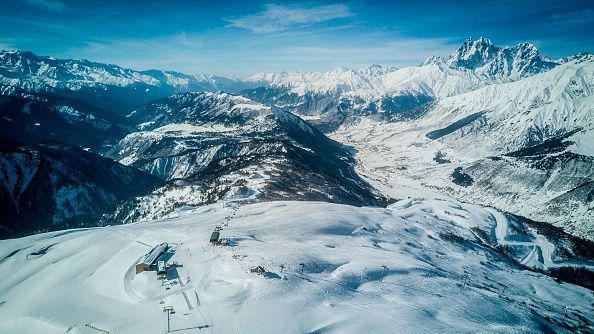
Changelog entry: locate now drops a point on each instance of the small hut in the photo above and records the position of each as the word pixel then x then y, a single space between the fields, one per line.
pixel 214 237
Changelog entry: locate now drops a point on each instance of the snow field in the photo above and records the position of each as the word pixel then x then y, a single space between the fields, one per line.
pixel 364 270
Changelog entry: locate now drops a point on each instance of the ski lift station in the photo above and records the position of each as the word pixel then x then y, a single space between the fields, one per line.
pixel 214 237
pixel 155 260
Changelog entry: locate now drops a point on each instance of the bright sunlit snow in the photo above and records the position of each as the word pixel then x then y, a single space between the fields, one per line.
pixel 415 267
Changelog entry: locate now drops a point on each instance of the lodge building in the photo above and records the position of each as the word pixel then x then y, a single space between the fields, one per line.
pixel 155 260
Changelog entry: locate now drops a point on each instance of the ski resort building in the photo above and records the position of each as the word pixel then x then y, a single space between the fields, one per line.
pixel 214 237
pixel 154 260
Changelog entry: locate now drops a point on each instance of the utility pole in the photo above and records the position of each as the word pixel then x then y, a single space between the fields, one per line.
pixel 302 266
pixel 168 310
pixel 282 266
pixel 465 278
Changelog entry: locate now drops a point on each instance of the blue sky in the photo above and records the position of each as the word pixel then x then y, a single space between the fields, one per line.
pixel 240 38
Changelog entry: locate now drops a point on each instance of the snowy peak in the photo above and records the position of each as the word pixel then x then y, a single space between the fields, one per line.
pixel 578 58
pixel 474 64
pixel 520 61
pixel 99 82
pixel 24 65
pixel 508 63
pixel 339 80
pixel 472 54
pixel 433 59
pixel 376 70
pixel 216 100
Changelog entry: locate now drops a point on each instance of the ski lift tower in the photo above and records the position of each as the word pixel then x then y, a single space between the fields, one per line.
pixel 169 310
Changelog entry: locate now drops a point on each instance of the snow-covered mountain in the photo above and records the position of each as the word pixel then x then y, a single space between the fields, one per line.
pixel 215 145
pixel 111 87
pixel 50 185
pixel 523 146
pixel 480 57
pixel 305 219
pixel 218 108
pixel 35 117
pixel 416 267
pixel 332 98
pixel 485 111
pixel 495 112
pixel 508 63
pixel 328 98
pixel 340 80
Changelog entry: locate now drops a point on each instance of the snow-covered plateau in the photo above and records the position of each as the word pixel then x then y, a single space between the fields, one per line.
pixel 417 266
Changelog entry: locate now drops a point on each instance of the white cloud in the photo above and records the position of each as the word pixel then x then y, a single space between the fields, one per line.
pixel 51 5
pixel 278 18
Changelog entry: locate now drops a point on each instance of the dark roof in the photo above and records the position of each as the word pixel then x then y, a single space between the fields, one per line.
pixel 214 236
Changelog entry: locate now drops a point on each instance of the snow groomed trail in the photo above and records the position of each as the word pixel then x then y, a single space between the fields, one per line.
pixel 542 253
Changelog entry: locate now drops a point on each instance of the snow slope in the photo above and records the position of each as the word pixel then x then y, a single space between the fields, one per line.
pixel 340 96
pixel 527 146
pixel 29 71
pixel 345 270
pixel 210 145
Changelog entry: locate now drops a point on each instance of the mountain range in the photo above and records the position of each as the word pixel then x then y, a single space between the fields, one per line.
pixel 210 146
pixel 452 196
pixel 499 126
pixel 104 85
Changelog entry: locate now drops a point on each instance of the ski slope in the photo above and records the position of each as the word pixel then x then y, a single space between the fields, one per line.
pixel 414 267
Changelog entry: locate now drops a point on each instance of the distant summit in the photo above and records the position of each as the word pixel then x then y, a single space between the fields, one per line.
pixel 107 86
pixel 578 57
pixel 473 54
pixel 514 62
pixel 433 59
